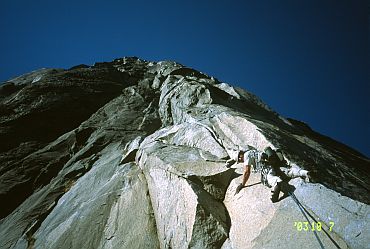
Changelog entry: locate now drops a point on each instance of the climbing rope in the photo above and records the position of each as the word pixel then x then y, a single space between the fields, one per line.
pixel 305 212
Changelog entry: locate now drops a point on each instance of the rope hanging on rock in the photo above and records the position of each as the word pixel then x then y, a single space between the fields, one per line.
pixel 305 212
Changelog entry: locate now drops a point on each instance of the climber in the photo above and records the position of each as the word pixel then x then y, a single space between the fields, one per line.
pixel 272 166
pixel 250 158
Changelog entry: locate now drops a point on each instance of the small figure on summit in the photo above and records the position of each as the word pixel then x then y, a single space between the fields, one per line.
pixel 272 166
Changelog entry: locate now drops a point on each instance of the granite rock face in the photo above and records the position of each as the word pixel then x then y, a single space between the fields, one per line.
pixel 131 154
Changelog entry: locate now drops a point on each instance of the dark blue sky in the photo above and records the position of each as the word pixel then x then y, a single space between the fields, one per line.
pixel 306 59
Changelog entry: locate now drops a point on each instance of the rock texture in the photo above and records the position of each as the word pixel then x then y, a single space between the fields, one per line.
pixel 131 154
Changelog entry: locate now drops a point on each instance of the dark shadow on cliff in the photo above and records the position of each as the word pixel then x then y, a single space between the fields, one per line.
pixel 286 189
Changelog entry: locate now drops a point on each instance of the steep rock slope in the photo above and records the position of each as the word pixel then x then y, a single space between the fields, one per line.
pixel 131 154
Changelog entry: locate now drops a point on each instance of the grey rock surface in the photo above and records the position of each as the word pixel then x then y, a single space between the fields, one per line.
pixel 131 154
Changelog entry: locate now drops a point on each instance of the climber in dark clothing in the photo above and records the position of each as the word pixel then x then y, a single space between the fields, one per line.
pixel 272 166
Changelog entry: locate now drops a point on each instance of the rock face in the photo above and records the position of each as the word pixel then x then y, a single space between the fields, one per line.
pixel 131 154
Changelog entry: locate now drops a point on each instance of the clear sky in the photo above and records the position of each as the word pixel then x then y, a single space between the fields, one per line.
pixel 308 60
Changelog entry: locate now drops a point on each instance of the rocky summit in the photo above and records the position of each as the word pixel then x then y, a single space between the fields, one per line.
pixel 131 154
